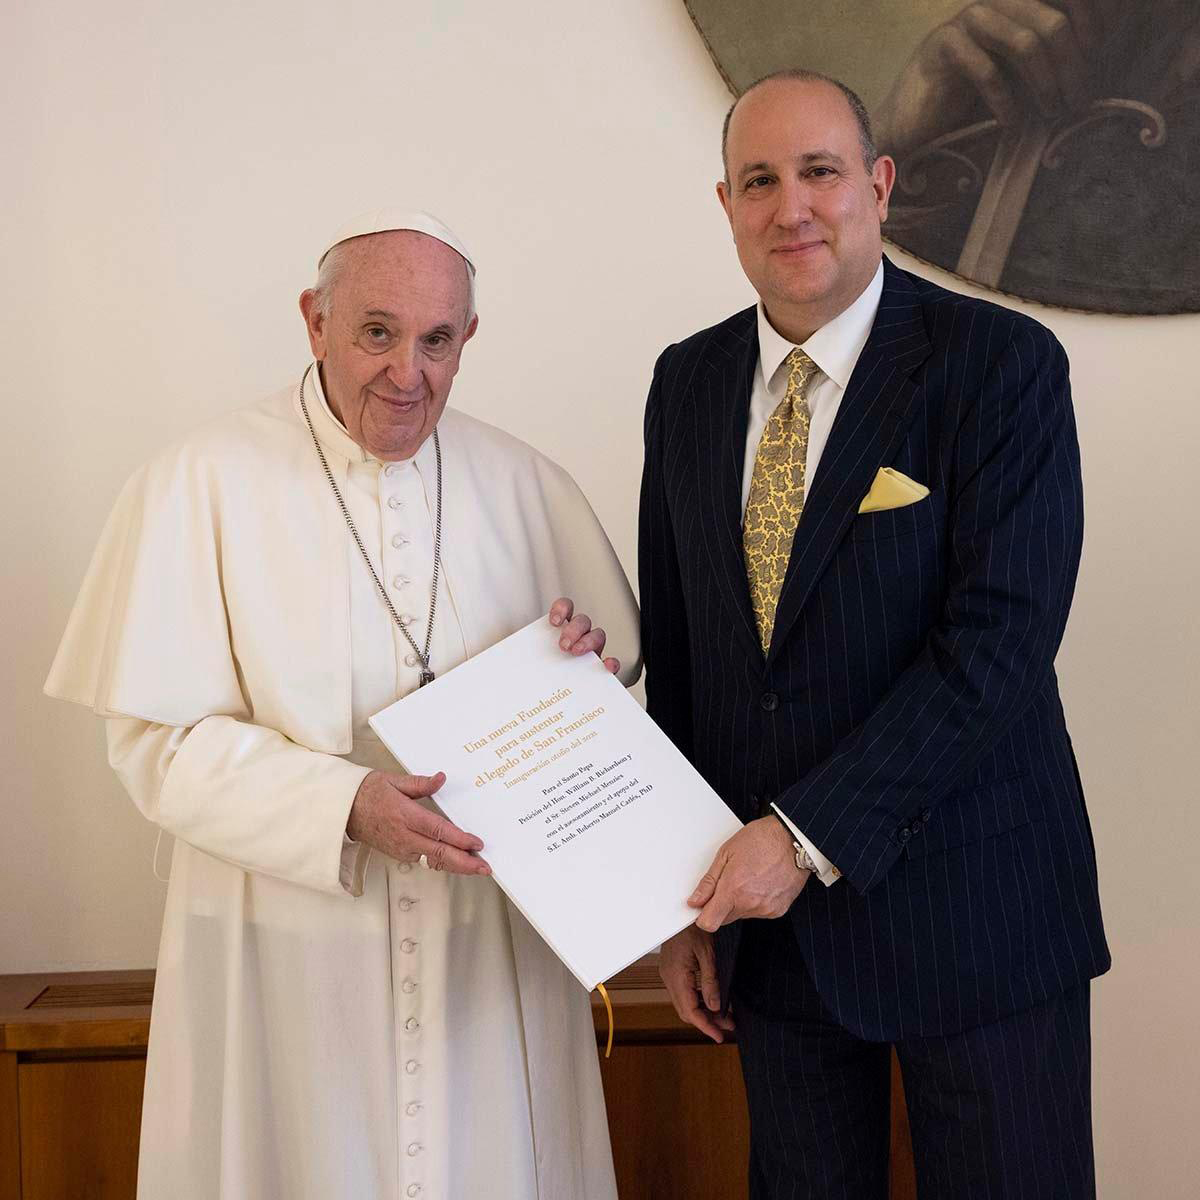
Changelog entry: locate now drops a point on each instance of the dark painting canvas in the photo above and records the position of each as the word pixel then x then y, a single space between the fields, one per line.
pixel 1047 149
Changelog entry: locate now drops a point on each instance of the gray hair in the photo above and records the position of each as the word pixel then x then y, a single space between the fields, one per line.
pixel 331 269
pixel 866 138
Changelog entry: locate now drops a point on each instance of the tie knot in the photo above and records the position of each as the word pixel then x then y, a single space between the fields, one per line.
pixel 800 369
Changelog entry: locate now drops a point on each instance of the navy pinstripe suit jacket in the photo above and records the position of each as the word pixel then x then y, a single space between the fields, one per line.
pixel 907 715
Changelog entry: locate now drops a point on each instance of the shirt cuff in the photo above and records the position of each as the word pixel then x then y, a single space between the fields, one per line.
pixel 827 873
pixel 352 871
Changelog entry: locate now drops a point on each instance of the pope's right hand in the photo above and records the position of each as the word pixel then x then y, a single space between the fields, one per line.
pixel 387 814
pixel 688 966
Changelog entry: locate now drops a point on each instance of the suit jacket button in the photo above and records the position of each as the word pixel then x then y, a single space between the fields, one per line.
pixel 769 701
pixel 904 834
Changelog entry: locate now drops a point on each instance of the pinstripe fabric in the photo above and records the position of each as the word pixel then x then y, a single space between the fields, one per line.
pixel 999 1112
pixel 907 715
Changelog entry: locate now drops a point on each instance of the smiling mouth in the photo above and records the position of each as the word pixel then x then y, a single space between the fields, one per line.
pixel 798 248
pixel 399 405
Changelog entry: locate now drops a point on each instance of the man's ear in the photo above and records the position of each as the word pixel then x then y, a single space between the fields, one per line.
pixel 474 325
pixel 314 323
pixel 882 178
pixel 726 199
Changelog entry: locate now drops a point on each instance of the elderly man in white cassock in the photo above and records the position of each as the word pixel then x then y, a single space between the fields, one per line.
pixel 332 1018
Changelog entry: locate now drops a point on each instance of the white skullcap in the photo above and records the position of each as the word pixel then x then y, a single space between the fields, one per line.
pixel 385 220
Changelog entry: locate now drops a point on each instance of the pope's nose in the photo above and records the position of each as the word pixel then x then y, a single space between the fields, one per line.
pixel 402 375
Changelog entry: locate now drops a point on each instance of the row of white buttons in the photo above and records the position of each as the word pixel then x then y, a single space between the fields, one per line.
pixel 399 541
pixel 411 1025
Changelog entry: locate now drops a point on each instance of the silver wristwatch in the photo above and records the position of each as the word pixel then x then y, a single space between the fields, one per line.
pixel 804 860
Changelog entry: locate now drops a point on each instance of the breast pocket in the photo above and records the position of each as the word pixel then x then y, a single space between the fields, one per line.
pixel 900 522
pixel 896 563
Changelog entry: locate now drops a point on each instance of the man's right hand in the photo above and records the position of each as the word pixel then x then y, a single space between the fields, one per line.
pixel 688 966
pixel 387 815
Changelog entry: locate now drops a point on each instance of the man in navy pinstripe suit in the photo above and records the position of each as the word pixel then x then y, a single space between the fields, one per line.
pixel 885 715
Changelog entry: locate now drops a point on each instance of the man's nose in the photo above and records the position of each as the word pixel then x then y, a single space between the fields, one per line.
pixel 794 204
pixel 403 369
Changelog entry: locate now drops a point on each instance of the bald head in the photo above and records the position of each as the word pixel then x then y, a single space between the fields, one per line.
pixel 797 75
pixel 804 208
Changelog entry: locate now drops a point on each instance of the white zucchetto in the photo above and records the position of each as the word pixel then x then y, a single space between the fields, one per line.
pixel 385 220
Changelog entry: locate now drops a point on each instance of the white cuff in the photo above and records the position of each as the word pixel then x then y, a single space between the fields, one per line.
pixel 352 871
pixel 827 873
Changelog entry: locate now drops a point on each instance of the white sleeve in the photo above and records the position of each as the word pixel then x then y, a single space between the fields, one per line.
pixel 827 873
pixel 247 795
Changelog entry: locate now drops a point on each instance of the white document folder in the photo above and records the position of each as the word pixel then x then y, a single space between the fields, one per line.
pixel 594 824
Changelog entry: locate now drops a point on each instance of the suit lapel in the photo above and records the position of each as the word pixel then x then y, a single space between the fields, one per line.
pixel 722 391
pixel 872 418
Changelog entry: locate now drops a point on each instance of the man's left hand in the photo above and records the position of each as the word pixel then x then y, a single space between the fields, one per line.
pixel 576 635
pixel 753 875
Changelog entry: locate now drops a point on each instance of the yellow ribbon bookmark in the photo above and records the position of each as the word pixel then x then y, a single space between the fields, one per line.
pixel 608 1006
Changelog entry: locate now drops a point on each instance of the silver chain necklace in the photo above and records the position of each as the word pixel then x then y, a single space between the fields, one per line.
pixel 427 675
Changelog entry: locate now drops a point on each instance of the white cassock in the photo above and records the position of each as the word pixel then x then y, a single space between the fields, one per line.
pixel 327 1022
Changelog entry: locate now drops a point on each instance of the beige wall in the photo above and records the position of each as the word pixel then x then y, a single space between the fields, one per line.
pixel 169 173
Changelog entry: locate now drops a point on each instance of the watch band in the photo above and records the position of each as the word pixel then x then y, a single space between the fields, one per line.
pixel 804 860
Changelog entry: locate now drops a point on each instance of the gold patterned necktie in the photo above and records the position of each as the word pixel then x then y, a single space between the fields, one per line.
pixel 777 494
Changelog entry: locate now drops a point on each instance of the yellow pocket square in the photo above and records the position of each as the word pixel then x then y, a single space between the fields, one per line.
pixel 892 489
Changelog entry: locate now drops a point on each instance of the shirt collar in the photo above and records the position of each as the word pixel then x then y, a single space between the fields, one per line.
pixel 332 434
pixel 834 347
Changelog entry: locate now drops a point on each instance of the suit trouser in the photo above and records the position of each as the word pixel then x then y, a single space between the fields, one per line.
pixel 997 1112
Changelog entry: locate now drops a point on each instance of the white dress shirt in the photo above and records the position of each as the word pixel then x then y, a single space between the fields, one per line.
pixel 835 348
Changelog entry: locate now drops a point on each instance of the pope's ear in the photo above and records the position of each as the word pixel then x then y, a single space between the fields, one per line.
pixel 474 325
pixel 314 321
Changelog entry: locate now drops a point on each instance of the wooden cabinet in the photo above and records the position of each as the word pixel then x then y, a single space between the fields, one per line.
pixel 72 1064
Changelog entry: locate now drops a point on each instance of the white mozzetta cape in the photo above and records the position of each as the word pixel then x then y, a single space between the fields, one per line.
pixel 218 601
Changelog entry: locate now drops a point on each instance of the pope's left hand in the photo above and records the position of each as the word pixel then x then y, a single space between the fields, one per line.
pixel 576 635
pixel 753 875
